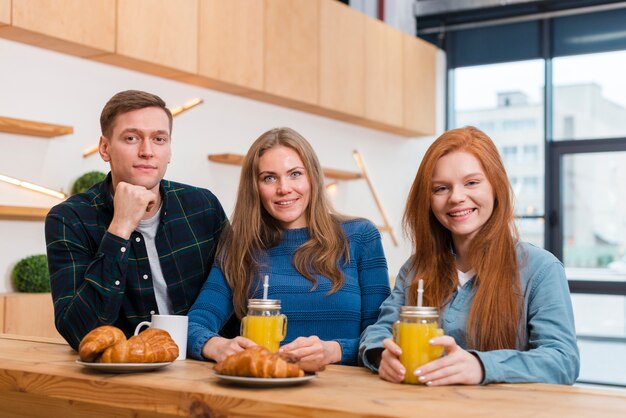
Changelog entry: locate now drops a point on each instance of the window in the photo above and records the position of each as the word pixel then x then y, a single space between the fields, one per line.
pixel 530 153
pixel 590 96
pixel 594 228
pixel 601 336
pixel 509 153
pixel 530 184
pixel 506 102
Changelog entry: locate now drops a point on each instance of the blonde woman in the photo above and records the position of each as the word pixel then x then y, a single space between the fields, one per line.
pixel 329 271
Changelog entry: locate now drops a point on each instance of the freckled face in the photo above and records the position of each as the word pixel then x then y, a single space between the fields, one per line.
pixel 284 186
pixel 462 198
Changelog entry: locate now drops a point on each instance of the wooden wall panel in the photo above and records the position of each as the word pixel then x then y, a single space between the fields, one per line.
pixel 88 23
pixel 342 58
pixel 292 49
pixel 230 44
pixel 5 12
pixel 163 32
pixel 420 62
pixel 384 85
pixel 2 299
pixel 29 314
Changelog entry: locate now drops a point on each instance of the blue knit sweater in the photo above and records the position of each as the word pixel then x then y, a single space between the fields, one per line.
pixel 340 316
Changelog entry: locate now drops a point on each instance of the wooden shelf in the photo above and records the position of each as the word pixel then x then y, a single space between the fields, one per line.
pixel 27 127
pixel 331 173
pixel 23 213
pixel 233 159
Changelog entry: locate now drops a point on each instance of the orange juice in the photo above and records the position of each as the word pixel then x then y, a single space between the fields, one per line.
pixel 412 332
pixel 264 330
pixel 264 323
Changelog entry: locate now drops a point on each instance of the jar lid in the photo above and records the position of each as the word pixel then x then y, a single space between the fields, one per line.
pixel 419 311
pixel 263 304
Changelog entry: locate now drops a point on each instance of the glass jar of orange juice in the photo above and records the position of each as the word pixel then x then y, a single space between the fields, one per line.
pixel 416 326
pixel 264 324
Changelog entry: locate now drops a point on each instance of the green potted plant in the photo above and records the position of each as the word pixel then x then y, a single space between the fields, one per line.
pixel 30 274
pixel 84 182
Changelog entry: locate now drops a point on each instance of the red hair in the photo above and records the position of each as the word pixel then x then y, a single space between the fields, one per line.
pixel 493 320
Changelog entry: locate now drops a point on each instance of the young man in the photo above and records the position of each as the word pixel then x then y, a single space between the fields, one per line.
pixel 135 244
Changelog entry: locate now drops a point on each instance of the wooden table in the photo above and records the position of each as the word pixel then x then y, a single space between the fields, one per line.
pixel 40 378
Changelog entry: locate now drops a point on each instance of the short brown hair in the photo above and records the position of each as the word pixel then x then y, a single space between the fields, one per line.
pixel 127 101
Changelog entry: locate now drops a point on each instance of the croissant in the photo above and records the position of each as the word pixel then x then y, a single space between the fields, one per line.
pixel 258 361
pixel 96 341
pixel 161 341
pixel 108 344
pixel 151 346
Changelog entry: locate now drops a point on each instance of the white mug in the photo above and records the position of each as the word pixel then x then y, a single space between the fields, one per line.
pixel 176 325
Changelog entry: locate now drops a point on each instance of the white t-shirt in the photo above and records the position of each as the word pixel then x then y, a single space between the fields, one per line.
pixel 148 228
pixel 465 277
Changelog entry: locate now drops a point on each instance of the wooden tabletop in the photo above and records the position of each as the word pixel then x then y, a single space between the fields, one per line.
pixel 41 378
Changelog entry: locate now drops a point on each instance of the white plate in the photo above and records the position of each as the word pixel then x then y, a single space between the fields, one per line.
pixel 265 382
pixel 124 367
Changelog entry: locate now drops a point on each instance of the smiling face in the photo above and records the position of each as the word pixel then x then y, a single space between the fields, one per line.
pixel 462 198
pixel 139 148
pixel 284 186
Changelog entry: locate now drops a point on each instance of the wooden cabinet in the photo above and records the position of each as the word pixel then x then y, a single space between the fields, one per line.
pixel 89 26
pixel 230 42
pixel 319 56
pixel 162 32
pixel 420 60
pixel 291 62
pixel 30 314
pixel 384 59
pixel 342 58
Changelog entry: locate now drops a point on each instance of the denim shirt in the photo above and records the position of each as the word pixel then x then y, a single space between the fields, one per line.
pixel 547 353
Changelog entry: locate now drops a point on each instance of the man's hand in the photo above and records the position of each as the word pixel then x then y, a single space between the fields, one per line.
pixel 130 203
pixel 218 348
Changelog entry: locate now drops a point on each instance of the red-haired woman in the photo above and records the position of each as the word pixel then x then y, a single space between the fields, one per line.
pixel 505 305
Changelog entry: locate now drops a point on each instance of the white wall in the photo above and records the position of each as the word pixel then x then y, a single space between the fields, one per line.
pixel 41 85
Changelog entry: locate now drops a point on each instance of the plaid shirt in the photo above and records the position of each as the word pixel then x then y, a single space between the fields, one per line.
pixel 98 278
